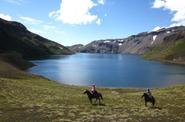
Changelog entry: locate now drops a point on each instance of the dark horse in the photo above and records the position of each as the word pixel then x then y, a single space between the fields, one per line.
pixel 148 99
pixel 91 96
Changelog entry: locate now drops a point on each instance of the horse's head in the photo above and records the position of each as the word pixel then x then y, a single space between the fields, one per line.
pixel 86 91
pixel 144 95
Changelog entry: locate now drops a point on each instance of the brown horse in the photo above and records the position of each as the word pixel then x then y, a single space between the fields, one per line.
pixel 148 99
pixel 96 95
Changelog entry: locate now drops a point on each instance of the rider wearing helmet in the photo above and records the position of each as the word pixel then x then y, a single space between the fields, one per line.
pixel 149 92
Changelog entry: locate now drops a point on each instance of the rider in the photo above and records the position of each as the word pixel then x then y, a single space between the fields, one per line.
pixel 93 89
pixel 149 92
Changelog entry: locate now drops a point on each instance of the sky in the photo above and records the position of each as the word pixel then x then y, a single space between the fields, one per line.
pixel 70 22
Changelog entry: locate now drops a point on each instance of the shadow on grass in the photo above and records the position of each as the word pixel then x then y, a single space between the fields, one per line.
pixel 101 104
pixel 155 107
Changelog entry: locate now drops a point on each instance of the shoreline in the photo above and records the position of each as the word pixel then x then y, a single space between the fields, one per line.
pixel 104 87
pixel 111 87
pixel 165 61
pixel 182 63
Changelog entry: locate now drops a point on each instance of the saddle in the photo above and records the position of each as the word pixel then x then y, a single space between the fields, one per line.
pixel 149 95
pixel 95 93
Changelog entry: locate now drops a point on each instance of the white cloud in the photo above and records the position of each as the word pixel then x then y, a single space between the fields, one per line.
pixel 17 2
pixel 178 24
pixel 158 4
pixel 54 14
pixel 176 7
pixel 30 20
pixel 51 29
pixel 40 27
pixel 156 28
pixel 101 2
pixel 5 16
pixel 98 22
pixel 45 30
pixel 48 31
pixel 76 12
pixel 48 27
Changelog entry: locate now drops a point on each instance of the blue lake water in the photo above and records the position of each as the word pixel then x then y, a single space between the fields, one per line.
pixel 109 70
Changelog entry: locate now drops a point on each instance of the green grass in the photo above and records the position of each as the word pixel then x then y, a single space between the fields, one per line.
pixel 173 52
pixel 16 60
pixel 179 48
pixel 25 97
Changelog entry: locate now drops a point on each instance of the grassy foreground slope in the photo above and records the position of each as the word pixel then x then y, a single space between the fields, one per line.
pixel 25 97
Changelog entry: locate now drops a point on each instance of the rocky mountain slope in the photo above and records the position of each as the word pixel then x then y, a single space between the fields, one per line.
pixel 15 37
pixel 76 47
pixel 169 40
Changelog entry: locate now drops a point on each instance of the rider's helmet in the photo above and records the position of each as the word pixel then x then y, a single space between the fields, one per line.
pixel 148 89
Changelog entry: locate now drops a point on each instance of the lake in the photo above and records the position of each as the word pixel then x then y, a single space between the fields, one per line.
pixel 109 70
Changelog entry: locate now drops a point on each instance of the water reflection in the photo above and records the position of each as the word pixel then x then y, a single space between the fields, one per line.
pixel 109 70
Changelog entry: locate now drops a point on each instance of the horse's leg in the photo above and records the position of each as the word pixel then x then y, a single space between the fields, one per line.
pixel 145 103
pixel 99 100
pixel 90 100
pixel 153 102
pixel 96 100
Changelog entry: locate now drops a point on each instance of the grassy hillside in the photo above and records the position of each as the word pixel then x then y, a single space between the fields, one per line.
pixel 173 52
pixel 15 37
pixel 25 97
pixel 16 60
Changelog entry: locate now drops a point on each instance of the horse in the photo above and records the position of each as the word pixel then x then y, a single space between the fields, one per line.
pixel 148 99
pixel 96 95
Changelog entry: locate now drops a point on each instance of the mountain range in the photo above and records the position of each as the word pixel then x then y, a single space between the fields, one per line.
pixel 167 44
